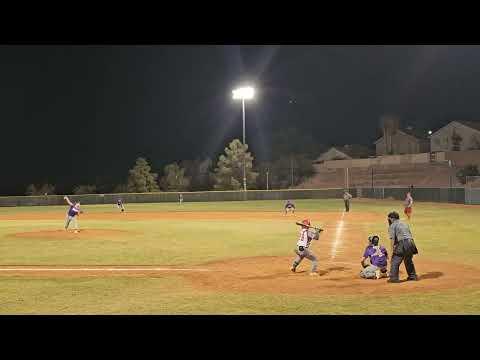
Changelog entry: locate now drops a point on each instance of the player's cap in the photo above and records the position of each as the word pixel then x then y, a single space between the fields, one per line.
pixel 306 222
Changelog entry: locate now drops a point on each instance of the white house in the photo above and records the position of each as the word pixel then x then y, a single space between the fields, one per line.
pixel 457 135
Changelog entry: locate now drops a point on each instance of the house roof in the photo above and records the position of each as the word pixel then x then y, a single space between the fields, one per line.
pixel 415 133
pixel 338 149
pixel 355 151
pixel 323 154
pixel 472 124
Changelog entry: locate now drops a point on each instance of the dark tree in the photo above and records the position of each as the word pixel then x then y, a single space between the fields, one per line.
pixel 141 179
pixel 229 171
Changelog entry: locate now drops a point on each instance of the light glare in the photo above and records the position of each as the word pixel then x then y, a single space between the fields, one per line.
pixel 243 93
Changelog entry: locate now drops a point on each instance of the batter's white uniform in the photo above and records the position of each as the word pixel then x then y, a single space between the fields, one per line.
pixel 302 251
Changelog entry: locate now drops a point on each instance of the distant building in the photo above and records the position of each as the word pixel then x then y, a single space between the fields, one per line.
pixel 456 136
pixel 345 152
pixel 406 141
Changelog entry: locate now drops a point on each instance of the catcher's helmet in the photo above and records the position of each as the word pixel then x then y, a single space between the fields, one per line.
pixel 374 239
pixel 306 222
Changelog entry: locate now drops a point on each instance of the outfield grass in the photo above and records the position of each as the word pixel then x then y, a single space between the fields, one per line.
pixel 442 232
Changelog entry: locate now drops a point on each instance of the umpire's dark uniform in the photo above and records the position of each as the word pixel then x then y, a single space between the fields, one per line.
pixel 403 248
pixel 346 199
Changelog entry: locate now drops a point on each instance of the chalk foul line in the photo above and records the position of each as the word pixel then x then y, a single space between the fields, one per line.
pixel 86 269
pixel 338 237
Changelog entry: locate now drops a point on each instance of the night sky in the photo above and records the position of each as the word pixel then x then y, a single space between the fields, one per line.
pixel 79 114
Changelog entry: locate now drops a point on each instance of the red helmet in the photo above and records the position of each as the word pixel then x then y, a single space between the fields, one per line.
pixel 306 222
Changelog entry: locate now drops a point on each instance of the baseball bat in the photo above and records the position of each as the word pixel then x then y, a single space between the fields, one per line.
pixel 313 227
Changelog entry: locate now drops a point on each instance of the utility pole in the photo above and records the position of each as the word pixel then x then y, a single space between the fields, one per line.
pixel 291 166
pixel 267 178
pixel 346 184
pixel 244 163
pixel 372 178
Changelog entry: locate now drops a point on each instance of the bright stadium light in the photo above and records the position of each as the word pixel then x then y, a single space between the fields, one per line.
pixel 244 93
pixel 429 132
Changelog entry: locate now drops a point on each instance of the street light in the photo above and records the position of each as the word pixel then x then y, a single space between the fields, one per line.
pixel 244 93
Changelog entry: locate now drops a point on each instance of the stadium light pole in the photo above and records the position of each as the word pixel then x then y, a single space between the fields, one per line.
pixel 244 93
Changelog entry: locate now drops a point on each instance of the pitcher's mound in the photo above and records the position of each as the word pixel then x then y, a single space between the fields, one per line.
pixel 71 234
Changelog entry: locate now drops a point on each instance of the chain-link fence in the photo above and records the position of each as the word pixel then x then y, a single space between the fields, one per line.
pixel 472 182
pixel 445 195
pixel 428 175
pixel 472 190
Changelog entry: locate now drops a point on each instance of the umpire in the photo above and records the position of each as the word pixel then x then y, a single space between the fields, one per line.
pixel 346 198
pixel 403 248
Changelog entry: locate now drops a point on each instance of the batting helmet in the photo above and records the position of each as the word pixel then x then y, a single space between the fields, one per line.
pixel 306 222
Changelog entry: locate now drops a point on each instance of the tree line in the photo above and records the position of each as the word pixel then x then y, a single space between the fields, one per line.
pixel 285 171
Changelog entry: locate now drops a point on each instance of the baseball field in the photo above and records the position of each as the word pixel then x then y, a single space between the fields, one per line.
pixel 231 258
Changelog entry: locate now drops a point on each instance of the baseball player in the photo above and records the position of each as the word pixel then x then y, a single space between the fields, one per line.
pixel 289 206
pixel 346 198
pixel 72 213
pixel 302 250
pixel 377 256
pixel 408 205
pixel 180 198
pixel 120 205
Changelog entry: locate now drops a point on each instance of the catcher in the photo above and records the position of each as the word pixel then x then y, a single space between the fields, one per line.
pixel 374 261
pixel 307 233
